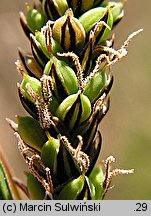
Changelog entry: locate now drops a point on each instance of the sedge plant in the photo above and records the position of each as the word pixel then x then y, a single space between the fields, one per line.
pixel 66 81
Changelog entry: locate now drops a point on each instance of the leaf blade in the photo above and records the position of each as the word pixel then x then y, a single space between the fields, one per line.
pixel 5 191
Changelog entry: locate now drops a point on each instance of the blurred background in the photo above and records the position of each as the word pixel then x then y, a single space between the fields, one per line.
pixel 126 130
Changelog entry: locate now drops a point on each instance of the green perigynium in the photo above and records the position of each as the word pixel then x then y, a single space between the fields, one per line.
pixel 65 88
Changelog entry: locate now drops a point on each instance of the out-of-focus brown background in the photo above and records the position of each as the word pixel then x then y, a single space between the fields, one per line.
pixel 126 130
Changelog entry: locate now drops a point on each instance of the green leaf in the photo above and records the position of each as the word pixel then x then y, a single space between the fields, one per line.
pixel 5 191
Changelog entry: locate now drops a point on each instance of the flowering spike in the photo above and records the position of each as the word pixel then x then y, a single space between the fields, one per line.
pixel 66 80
